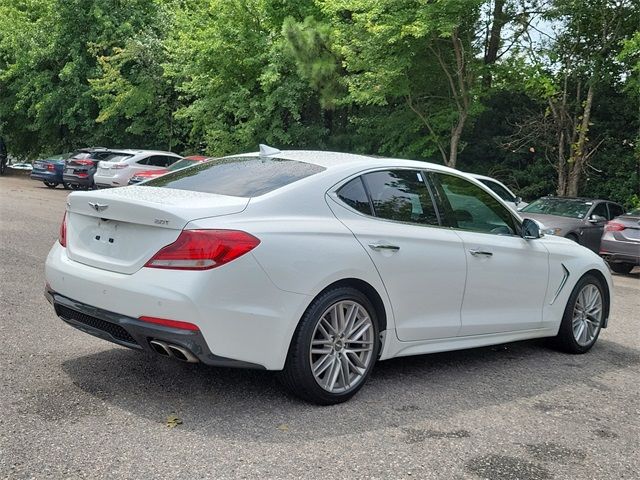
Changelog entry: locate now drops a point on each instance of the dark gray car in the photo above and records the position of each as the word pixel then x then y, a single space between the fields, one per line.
pixel 579 219
pixel 620 245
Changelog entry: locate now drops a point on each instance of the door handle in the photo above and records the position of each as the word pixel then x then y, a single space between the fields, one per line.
pixel 383 246
pixel 475 252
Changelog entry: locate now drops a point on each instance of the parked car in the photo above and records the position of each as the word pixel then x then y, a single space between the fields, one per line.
pixel 579 219
pixel 620 245
pixel 49 170
pixel 180 164
pixel 80 168
pixel 502 191
pixel 117 172
pixel 317 264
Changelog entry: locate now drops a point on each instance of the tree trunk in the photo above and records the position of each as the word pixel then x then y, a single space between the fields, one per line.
pixel 562 167
pixel 493 42
pixel 579 154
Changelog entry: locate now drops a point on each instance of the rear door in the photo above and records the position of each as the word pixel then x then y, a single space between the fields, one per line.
pixel 392 215
pixel 507 275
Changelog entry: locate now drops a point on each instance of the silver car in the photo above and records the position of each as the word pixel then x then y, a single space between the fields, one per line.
pixel 579 219
pixel 620 245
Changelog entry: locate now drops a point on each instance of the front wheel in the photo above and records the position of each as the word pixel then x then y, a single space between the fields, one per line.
pixel 50 184
pixel 621 267
pixel 334 348
pixel 583 316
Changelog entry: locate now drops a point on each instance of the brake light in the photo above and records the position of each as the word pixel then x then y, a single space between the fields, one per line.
pixel 82 175
pixel 170 323
pixel 51 167
pixel 84 162
pixel 62 237
pixel 203 249
pixel 614 227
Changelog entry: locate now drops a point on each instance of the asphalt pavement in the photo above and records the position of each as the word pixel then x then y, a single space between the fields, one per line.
pixel 73 406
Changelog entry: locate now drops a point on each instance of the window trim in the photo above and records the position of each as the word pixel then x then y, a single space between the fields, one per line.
pixel 333 193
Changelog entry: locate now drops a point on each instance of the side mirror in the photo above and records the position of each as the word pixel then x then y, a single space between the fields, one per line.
pixel 530 229
pixel 517 201
pixel 597 219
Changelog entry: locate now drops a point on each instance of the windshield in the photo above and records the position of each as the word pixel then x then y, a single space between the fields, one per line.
pixel 499 190
pixel 237 176
pixel 181 164
pixel 559 206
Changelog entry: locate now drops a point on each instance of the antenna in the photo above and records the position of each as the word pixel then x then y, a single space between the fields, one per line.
pixel 266 150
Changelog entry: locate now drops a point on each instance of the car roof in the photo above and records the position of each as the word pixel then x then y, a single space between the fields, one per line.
pixel 578 199
pixel 338 160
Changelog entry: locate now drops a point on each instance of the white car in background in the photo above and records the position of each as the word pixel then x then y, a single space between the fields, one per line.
pixel 502 191
pixel 317 264
pixel 117 174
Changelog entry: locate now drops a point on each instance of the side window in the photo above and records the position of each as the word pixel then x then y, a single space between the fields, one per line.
pixel 401 195
pixel 354 195
pixel 615 211
pixel 144 161
pixel 601 210
pixel 499 190
pixel 471 208
pixel 168 160
pixel 158 161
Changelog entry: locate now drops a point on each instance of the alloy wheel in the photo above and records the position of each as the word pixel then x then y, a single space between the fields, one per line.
pixel 587 315
pixel 342 346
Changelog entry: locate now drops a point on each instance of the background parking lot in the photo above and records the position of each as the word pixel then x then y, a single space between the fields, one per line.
pixel 77 407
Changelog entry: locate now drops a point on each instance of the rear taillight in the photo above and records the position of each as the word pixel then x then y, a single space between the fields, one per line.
pixel 51 167
pixel 614 227
pixel 203 249
pixel 82 175
pixel 62 237
pixel 84 162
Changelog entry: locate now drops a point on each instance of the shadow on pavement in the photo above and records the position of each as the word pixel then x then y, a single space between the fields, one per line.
pixel 248 405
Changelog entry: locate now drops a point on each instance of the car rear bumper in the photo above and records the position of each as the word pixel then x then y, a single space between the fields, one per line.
pixel 136 334
pixel 103 181
pixel 620 258
pixel 615 251
pixel 243 318
pixel 46 176
pixel 81 181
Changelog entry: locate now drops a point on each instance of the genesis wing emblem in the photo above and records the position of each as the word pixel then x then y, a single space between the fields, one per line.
pixel 98 207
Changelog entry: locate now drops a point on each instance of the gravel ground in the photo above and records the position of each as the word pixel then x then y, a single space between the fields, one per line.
pixel 73 406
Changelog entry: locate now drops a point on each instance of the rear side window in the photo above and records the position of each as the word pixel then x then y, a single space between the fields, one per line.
pixel 237 176
pixel 354 195
pixel 401 195
pixel 615 211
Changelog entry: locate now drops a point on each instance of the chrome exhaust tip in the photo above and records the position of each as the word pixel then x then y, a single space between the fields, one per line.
pixel 182 354
pixel 160 348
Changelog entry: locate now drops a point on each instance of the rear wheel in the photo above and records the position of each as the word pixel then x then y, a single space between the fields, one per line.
pixel 333 349
pixel 621 267
pixel 50 184
pixel 583 316
pixel 66 186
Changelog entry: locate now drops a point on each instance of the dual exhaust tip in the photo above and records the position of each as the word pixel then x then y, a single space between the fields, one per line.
pixel 174 351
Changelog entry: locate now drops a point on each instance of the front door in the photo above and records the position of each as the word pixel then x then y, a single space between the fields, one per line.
pixel 506 275
pixel 422 265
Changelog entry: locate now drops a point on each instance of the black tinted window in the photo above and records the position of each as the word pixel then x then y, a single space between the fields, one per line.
pixel 354 195
pixel 615 210
pixel 401 195
pixel 600 210
pixel 238 176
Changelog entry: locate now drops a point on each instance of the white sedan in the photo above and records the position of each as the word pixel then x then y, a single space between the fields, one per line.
pixel 317 264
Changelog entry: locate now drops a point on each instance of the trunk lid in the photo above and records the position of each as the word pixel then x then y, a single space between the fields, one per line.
pixel 631 233
pixel 121 229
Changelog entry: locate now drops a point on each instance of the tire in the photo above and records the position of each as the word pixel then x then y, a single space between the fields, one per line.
pixel 621 267
pixel 50 184
pixel 3 166
pixel 573 237
pixel 66 186
pixel 340 370
pixel 582 321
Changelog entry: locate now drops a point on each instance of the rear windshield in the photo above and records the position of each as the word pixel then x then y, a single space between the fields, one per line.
pixel 237 176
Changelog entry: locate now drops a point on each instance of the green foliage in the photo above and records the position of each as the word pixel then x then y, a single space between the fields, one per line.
pixel 404 78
